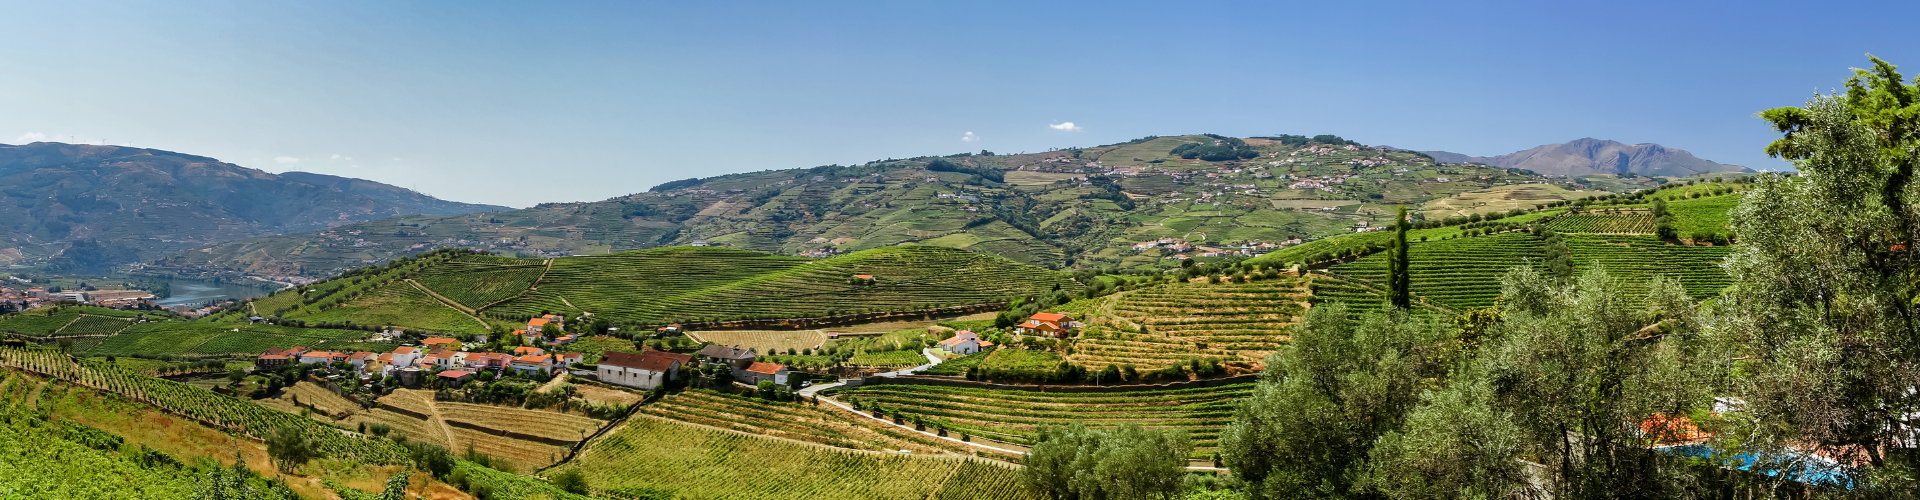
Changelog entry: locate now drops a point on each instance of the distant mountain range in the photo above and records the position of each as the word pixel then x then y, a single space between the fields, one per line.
pixel 1589 156
pixel 131 203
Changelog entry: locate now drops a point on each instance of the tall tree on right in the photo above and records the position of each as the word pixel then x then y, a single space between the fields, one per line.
pixel 1822 323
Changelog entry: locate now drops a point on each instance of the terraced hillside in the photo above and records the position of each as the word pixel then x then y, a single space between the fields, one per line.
pixel 1640 258
pixel 689 284
pixel 1460 273
pixel 463 292
pixel 1014 416
pixel 216 410
pixel 797 421
pixel 72 321
pixel 651 457
pixel 528 439
pixel 1167 324
pixel 224 339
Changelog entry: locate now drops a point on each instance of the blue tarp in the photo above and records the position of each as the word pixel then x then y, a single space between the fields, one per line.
pixel 1794 466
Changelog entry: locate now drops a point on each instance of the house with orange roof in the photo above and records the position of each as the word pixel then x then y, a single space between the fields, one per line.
pixel 537 363
pixel 455 378
pixel 965 342
pixel 316 357
pixel 447 342
pixel 758 371
pixel 537 325
pixel 359 360
pixel 1050 324
pixel 269 361
pixel 404 355
pixel 528 351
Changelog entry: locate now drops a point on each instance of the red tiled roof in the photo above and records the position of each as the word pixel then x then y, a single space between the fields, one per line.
pixel 682 358
pixel 455 373
pixel 532 360
pixel 649 360
pixel 766 368
pixel 528 349
pixel 1049 317
pixel 405 349
pixel 537 322
pixel 440 341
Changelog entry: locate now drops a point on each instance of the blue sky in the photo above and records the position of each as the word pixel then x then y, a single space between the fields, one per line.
pixel 521 103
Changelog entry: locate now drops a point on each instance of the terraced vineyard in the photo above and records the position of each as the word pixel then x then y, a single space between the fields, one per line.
pixel 226 339
pixel 1459 273
pixel 1014 416
pixel 821 425
pixel 399 303
pixel 1604 223
pixel 477 281
pixel 88 324
pixel 528 439
pixel 688 285
pixel 1241 321
pixel 667 459
pixel 39 322
pixel 1639 259
pixel 658 286
pixel 37 461
pixel 213 409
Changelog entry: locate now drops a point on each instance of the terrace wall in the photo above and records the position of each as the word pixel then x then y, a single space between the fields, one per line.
pixel 843 319
pixel 961 382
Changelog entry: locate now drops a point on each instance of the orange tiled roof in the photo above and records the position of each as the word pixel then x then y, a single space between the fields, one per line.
pixel 766 368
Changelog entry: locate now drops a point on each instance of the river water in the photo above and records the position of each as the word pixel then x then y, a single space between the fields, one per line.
pixel 196 292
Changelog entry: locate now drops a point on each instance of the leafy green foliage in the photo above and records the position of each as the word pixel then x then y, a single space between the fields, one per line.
pixel 1129 462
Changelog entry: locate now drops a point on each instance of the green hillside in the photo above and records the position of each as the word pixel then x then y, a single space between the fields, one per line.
pixel 453 292
pixel 1077 208
pixel 1458 268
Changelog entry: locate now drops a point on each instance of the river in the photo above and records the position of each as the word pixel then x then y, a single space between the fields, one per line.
pixel 196 292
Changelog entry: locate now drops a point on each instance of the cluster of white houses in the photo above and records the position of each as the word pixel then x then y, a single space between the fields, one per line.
pixel 646 369
pixel 436 355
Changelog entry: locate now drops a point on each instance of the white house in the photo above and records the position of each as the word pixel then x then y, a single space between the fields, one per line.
pixel 644 370
pixel 965 342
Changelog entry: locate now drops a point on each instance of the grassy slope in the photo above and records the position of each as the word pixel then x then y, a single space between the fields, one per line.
pixel 650 455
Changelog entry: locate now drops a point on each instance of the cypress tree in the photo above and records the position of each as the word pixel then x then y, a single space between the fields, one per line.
pixel 1399 276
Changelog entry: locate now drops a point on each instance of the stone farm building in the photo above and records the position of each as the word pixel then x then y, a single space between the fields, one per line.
pixel 645 370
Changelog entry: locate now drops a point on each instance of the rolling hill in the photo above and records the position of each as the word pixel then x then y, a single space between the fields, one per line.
pixel 457 292
pixel 1076 208
pixel 1589 156
pixel 131 204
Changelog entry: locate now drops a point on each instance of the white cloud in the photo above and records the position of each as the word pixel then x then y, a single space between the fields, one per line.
pixel 30 137
pixel 285 160
pixel 336 157
pixel 1067 126
pixel 969 137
